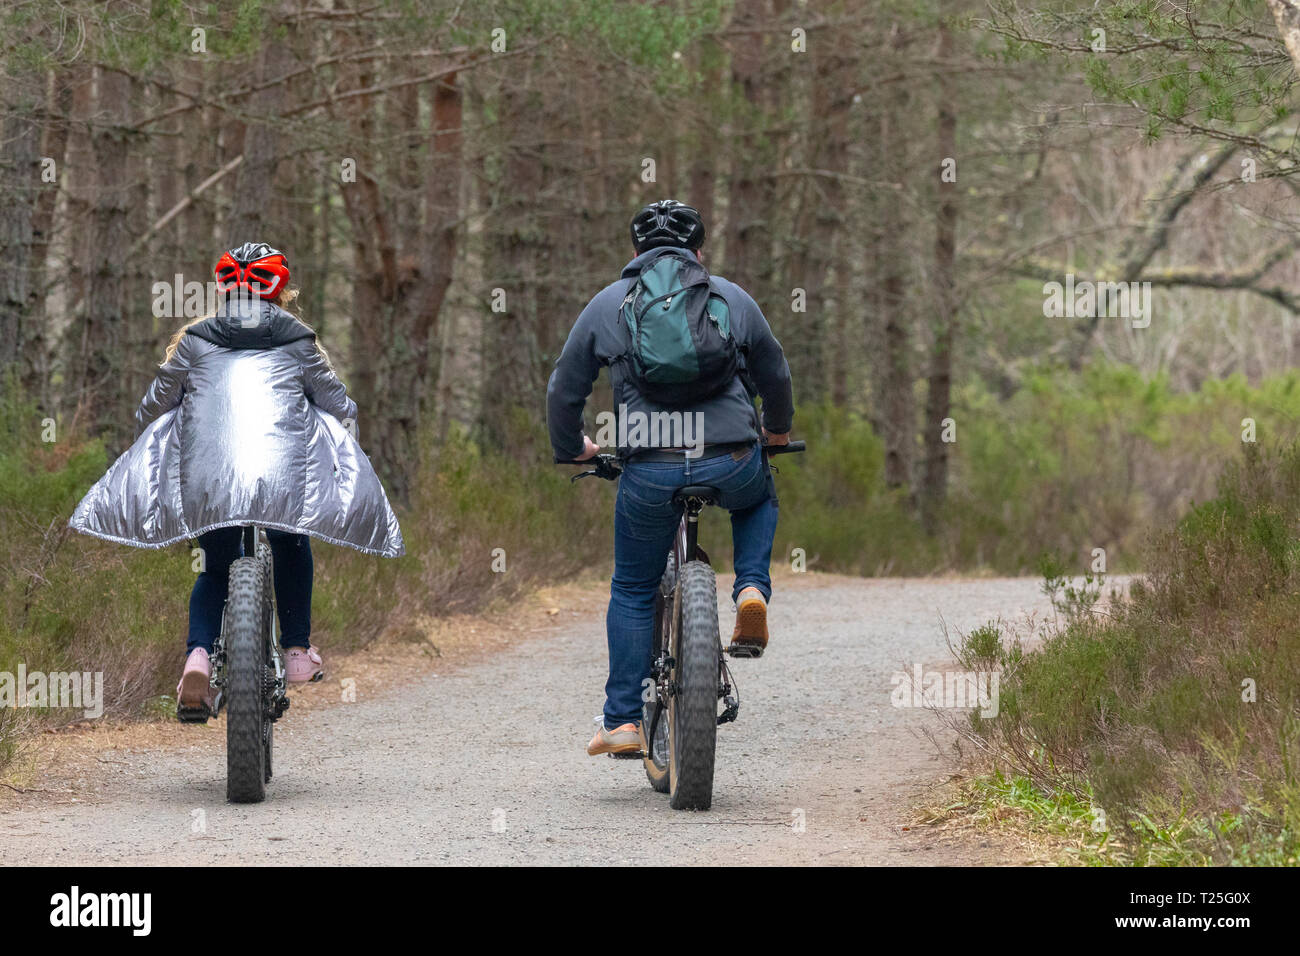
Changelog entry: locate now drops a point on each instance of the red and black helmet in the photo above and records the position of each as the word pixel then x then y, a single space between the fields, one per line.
pixel 254 266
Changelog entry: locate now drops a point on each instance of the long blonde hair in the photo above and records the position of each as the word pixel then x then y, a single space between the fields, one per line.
pixel 284 300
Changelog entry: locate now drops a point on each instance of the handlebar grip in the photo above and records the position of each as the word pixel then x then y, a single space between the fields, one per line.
pixel 786 449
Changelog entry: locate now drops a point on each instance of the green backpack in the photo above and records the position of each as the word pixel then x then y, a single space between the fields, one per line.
pixel 682 350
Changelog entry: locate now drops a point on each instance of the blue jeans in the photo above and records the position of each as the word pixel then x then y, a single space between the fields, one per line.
pixel 645 523
pixel 291 559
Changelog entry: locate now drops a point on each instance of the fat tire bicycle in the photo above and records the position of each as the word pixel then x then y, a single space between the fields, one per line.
pixel 248 677
pixel 689 672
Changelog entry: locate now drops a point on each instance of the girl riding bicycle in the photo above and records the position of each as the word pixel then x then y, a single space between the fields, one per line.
pixel 245 423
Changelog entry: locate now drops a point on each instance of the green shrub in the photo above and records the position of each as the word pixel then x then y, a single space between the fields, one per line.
pixel 1178 709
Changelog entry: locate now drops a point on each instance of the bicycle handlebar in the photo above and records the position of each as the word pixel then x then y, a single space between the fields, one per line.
pixel 607 466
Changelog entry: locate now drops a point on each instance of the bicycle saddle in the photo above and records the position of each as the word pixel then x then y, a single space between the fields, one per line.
pixel 705 493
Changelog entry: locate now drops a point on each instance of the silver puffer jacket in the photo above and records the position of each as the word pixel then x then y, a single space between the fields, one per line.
pixel 244 425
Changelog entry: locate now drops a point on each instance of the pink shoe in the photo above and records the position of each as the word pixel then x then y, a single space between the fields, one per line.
pixel 195 688
pixel 303 664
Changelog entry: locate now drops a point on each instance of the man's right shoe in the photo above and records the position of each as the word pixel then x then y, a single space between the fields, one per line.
pixel 626 738
pixel 749 639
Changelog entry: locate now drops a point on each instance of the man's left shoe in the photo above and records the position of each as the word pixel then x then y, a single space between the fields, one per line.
pixel 626 738
pixel 302 665
pixel 749 639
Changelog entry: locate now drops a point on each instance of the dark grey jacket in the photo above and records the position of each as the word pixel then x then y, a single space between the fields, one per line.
pixel 599 338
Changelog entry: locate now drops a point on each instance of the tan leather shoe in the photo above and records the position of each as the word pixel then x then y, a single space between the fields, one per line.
pixel 750 635
pixel 625 738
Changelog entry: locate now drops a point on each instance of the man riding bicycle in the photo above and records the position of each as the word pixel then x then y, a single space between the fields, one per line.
pixel 699 376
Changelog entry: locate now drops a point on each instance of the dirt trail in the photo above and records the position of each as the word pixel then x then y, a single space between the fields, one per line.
pixel 484 764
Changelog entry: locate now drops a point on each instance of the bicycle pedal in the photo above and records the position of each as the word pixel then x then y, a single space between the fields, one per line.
pixel 193 715
pixel 744 650
pixel 630 755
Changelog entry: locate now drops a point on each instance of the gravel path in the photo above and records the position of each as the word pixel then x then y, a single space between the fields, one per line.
pixel 486 765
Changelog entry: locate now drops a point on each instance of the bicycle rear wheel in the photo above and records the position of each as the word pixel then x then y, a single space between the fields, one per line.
pixel 693 705
pixel 247 617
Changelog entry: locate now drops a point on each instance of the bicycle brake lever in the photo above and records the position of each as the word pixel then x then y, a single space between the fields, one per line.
pixel 604 469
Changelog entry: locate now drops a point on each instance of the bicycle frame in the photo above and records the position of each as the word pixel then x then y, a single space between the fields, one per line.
pixel 686 545
pixel 277 701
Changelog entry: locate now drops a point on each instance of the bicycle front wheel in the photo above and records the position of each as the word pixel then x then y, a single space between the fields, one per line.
pixel 247 614
pixel 693 704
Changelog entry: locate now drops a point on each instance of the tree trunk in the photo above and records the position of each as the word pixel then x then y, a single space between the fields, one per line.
pixel 898 412
pixel 820 228
pixel 512 382
pixel 256 188
pixel 137 276
pixel 1286 14
pixel 402 275
pixel 36 358
pixel 104 375
pixel 934 481
pixel 19 189
pixel 748 236
pixel 703 166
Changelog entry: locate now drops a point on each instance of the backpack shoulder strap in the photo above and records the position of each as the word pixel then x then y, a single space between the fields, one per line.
pixel 624 330
pixel 741 353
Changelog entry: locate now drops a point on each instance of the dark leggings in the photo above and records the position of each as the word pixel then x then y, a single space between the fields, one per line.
pixel 291 558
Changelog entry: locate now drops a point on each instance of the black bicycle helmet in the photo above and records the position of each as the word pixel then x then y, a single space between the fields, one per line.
pixel 667 223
